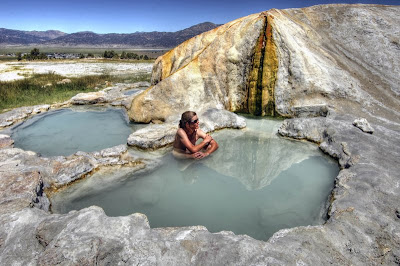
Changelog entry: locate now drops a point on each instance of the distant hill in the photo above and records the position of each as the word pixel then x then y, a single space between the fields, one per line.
pixel 90 39
pixel 17 37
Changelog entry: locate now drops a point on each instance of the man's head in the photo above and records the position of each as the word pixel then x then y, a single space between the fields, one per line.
pixel 189 118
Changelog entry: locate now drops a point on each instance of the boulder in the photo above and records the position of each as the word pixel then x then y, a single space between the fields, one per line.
pixel 153 136
pixel 89 98
pixel 208 71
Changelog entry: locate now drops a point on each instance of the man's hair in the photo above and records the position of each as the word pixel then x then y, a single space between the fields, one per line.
pixel 186 117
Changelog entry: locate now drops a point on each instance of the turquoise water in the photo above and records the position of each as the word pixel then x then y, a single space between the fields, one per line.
pixel 66 131
pixel 256 183
pixel 133 91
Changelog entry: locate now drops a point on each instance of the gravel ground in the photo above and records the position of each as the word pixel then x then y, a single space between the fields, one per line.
pixel 19 70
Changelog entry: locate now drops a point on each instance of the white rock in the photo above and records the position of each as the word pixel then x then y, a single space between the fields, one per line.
pixel 363 124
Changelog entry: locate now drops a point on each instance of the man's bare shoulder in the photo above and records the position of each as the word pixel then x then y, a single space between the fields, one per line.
pixel 201 133
pixel 181 133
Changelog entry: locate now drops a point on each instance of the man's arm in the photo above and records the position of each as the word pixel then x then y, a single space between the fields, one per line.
pixel 186 142
pixel 213 146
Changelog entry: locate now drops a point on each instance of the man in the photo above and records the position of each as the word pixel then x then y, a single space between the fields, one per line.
pixel 187 136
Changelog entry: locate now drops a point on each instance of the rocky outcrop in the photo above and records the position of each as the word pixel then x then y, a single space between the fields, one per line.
pixel 278 62
pixel 111 95
pixel 208 71
pixel 11 117
pixel 339 55
pixel 24 175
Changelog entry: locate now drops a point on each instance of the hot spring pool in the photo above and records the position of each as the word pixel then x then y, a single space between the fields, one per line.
pixel 66 131
pixel 255 184
pixel 133 91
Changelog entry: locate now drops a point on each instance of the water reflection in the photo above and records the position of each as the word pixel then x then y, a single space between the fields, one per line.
pixel 255 184
pixel 256 159
pixel 66 131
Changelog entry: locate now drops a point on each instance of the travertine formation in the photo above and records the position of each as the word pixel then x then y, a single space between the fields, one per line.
pixel 207 71
pixel 337 56
pixel 327 67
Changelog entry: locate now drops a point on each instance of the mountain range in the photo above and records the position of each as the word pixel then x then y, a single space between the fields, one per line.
pixel 56 38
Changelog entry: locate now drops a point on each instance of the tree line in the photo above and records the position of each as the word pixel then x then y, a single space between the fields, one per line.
pixel 35 54
pixel 124 55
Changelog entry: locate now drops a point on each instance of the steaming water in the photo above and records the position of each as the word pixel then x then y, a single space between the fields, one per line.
pixel 255 184
pixel 66 131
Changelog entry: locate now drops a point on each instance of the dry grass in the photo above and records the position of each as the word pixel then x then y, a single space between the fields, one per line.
pixel 43 88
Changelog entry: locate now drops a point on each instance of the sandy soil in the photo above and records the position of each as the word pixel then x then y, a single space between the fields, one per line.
pixel 20 70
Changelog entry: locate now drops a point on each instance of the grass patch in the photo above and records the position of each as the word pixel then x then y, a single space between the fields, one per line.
pixel 7 59
pixel 43 88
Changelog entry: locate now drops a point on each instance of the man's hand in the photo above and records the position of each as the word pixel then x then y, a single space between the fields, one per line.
pixel 208 138
pixel 199 155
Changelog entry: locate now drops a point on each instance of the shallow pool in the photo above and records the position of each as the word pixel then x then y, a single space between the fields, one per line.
pixel 255 184
pixel 133 91
pixel 66 131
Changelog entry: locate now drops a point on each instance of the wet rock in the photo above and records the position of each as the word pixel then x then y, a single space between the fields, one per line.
pixel 322 131
pixel 214 119
pixel 19 114
pixel 24 175
pixel 159 135
pixel 18 183
pixel 66 170
pixel 89 98
pixel 40 200
pixel 117 155
pixel 303 129
pixel 40 108
pixel 114 151
pixel 6 141
pixel 153 136
pixel 363 124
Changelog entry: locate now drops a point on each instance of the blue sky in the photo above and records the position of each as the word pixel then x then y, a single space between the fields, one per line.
pixel 124 16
